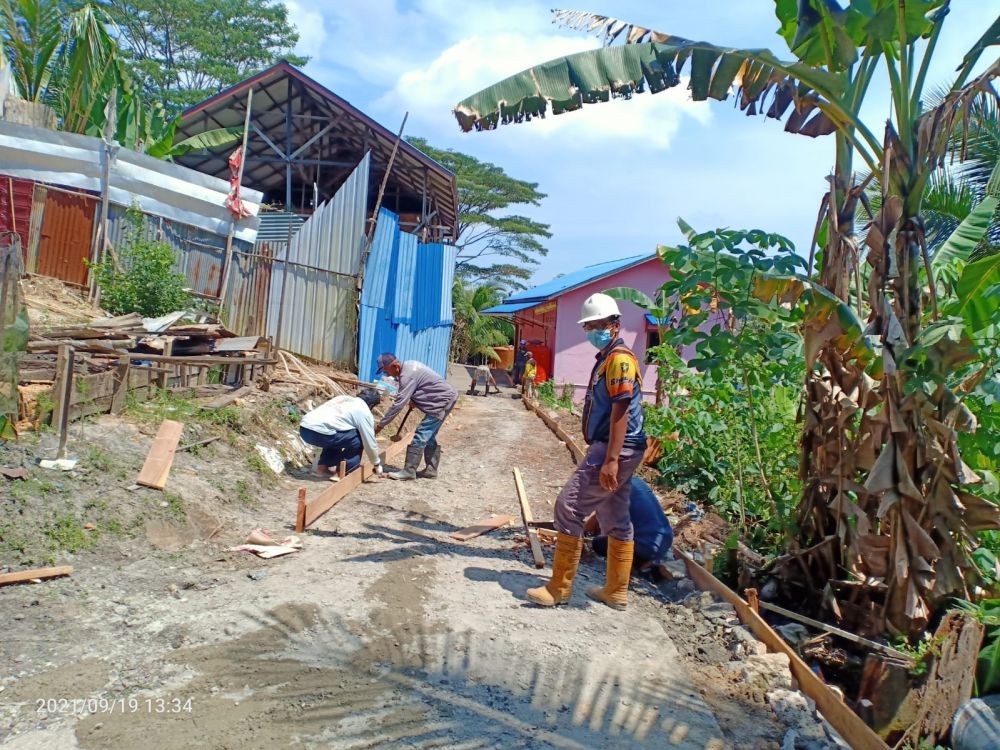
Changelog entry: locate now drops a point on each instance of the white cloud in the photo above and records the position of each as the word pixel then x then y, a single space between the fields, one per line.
pixel 430 91
pixel 312 31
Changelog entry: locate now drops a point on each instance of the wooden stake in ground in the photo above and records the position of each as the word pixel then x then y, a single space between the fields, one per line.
pixel 536 545
pixel 63 393
pixel 161 455
pixel 23 576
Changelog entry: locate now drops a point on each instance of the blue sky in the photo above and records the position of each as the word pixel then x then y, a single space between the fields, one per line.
pixel 617 175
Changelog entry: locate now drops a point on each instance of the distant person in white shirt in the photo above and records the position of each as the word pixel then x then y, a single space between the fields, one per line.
pixel 345 429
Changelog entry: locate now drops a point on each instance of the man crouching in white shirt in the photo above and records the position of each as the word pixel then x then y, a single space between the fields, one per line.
pixel 345 429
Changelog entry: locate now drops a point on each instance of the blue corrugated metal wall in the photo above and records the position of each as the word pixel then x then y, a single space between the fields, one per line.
pixel 406 299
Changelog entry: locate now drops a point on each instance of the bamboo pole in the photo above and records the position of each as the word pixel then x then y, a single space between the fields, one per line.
pixel 227 264
pixel 378 202
pixel 101 235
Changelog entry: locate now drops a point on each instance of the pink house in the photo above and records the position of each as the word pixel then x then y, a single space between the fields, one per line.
pixel 546 317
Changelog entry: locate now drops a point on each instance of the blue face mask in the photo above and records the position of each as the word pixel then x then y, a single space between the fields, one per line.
pixel 600 339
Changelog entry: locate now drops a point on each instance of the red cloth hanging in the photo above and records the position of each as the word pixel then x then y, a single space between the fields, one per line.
pixel 236 206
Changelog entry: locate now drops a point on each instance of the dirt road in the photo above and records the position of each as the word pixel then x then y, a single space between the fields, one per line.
pixel 382 632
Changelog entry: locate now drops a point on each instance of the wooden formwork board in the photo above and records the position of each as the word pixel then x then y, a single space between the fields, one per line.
pixel 307 512
pixel 526 516
pixel 848 724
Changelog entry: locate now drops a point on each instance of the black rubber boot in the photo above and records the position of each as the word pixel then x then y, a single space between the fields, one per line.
pixel 409 470
pixel 432 455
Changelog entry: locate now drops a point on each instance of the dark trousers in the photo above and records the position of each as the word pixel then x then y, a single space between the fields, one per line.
pixel 518 374
pixel 340 446
pixel 643 554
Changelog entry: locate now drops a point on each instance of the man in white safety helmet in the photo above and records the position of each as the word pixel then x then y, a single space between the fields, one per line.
pixel 613 429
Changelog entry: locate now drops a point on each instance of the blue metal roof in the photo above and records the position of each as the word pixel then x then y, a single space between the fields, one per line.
pixel 570 281
pixel 507 309
pixel 653 321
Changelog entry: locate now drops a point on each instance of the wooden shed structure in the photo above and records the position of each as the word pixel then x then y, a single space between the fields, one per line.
pixel 305 141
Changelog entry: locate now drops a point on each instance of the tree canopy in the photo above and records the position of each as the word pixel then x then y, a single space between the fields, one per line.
pixel 495 248
pixel 186 50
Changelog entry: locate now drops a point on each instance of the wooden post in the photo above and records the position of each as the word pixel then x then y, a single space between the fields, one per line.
pixel 227 263
pixel 63 392
pixel 161 377
pixel 120 394
pixel 342 469
pixel 526 516
pixel 300 512
pixel 101 235
pixel 753 600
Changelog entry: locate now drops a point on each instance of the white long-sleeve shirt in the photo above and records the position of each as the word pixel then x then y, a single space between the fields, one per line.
pixel 343 414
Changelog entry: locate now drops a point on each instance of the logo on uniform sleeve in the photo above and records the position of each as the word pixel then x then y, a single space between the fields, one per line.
pixel 624 380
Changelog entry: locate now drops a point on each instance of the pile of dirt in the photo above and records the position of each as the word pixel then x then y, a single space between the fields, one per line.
pixel 52 303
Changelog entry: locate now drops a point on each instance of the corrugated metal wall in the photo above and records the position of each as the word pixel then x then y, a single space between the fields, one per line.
pixel 67 233
pixel 200 254
pixel 158 187
pixel 15 207
pixel 320 292
pixel 406 300
pixel 249 289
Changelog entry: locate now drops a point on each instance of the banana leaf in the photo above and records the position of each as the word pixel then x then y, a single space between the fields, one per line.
pixel 978 292
pixel 827 317
pixel 767 85
pixel 970 232
pixel 210 139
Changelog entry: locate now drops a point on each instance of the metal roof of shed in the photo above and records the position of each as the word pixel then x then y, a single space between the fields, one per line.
pixel 328 134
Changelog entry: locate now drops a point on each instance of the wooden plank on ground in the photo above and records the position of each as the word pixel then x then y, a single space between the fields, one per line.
pixel 480 528
pixel 855 732
pixel 522 497
pixel 161 455
pixel 227 398
pixel 337 492
pixel 23 576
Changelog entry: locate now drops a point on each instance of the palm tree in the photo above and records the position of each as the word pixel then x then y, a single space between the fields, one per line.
pixel 475 335
pixel 866 476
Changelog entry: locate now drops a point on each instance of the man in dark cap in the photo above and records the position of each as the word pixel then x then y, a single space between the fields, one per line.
pixel 430 393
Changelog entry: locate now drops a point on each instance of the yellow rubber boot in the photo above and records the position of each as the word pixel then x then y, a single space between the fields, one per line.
pixel 615 590
pixel 564 565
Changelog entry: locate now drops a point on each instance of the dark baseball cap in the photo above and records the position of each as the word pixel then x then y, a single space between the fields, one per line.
pixel 384 360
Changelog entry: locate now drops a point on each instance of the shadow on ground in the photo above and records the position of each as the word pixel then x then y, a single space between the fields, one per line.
pixel 308 677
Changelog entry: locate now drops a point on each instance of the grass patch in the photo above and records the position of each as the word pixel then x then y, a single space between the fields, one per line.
pixel 245 494
pixel 99 459
pixel 114 527
pixel 66 534
pixel 165 405
pixel 547 395
pixel 175 505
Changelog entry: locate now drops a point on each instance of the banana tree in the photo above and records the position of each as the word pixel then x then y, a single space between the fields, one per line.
pixel 850 419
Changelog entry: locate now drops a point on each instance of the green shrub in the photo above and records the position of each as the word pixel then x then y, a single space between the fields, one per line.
pixel 145 282
pixel 707 431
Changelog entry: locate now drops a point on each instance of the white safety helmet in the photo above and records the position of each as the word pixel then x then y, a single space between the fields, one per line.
pixel 598 307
